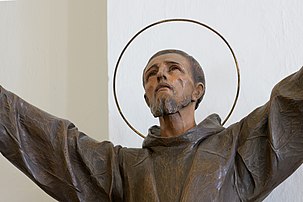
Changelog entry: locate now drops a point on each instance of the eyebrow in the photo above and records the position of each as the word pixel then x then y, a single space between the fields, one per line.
pixel 157 65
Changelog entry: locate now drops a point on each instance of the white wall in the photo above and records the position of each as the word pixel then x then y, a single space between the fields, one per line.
pixel 53 54
pixel 87 66
pixel 267 39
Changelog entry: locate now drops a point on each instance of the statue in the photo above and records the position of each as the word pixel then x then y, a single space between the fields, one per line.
pixel 179 160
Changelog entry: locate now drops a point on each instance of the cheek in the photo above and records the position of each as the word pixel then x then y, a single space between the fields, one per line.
pixel 182 83
pixel 148 91
pixel 185 86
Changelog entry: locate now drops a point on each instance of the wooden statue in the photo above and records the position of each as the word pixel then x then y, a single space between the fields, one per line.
pixel 179 160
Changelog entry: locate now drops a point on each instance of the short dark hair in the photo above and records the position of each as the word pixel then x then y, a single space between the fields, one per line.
pixel 197 71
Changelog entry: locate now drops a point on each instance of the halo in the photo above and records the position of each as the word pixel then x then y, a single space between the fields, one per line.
pixel 162 22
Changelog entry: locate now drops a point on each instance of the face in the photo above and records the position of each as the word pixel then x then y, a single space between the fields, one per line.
pixel 168 84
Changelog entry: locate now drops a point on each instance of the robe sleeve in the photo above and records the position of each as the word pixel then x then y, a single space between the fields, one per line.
pixel 64 162
pixel 270 141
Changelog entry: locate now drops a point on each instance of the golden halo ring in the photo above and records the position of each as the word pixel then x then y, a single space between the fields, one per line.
pixel 162 22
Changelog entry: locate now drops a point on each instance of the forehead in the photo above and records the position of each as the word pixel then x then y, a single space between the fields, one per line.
pixel 169 57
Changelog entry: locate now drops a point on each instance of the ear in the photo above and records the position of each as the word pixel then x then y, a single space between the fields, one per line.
pixel 146 100
pixel 198 91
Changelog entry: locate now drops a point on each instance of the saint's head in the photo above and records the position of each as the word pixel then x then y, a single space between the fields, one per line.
pixel 172 80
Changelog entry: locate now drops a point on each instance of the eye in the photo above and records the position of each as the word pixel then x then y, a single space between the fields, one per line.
pixel 150 74
pixel 174 67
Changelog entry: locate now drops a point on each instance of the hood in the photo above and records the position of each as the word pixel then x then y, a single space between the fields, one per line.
pixel 209 126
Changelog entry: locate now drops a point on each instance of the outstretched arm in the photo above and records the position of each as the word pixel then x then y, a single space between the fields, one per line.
pixel 270 140
pixel 64 162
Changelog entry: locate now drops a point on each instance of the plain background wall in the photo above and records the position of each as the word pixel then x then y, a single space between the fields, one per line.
pixel 267 39
pixel 53 54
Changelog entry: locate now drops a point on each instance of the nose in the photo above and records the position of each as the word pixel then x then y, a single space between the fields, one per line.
pixel 161 75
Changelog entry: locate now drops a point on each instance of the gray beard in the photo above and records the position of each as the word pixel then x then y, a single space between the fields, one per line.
pixel 168 105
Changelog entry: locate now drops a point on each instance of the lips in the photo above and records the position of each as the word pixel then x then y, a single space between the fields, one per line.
pixel 163 85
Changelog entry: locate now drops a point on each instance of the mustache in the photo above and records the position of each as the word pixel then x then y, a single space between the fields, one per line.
pixel 163 85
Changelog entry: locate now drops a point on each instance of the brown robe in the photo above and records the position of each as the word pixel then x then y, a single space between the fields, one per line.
pixel 243 162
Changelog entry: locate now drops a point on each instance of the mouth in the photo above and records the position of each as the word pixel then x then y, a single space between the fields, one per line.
pixel 163 86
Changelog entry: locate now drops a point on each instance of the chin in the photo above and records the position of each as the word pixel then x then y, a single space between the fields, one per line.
pixel 167 106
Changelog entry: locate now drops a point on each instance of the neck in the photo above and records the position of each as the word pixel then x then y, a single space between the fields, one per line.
pixel 176 124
